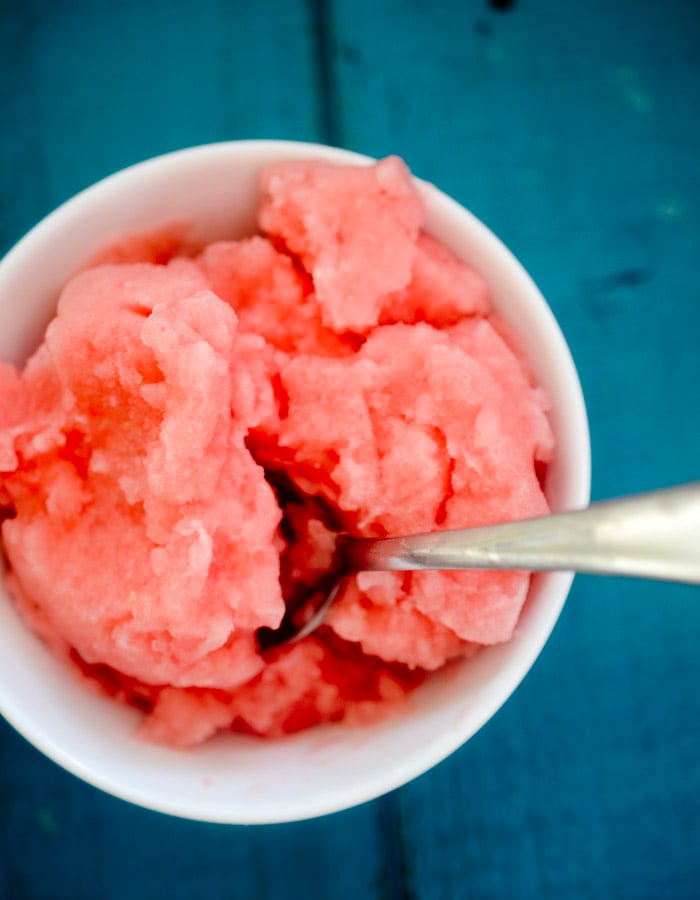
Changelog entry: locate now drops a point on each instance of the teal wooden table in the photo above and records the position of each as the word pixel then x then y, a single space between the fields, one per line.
pixel 573 131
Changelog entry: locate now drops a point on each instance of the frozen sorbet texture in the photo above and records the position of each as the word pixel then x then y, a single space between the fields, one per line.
pixel 340 345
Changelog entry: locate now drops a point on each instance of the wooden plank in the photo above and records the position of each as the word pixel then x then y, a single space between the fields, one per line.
pixel 89 88
pixel 576 137
pixel 85 89
pixel 92 845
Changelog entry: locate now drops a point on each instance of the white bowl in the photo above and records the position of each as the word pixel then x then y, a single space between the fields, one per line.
pixel 239 779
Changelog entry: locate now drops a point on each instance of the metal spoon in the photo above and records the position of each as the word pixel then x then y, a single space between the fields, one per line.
pixel 654 535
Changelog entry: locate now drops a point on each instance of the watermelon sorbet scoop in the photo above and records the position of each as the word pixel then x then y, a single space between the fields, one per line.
pixel 341 346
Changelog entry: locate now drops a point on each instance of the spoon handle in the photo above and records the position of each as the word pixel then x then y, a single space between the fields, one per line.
pixel 653 535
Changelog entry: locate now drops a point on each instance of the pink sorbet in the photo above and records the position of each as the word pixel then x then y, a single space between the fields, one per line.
pixel 341 345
